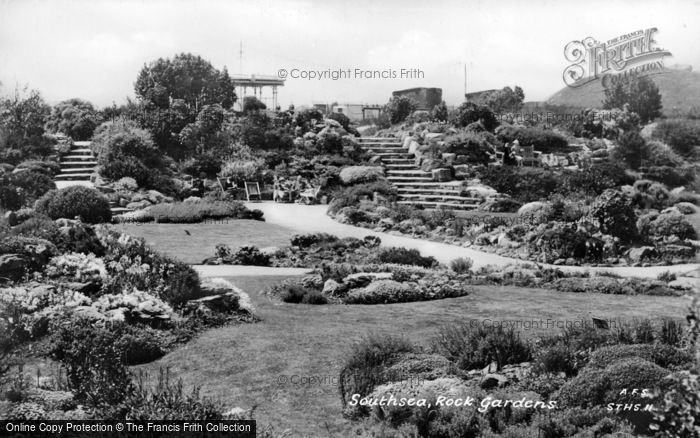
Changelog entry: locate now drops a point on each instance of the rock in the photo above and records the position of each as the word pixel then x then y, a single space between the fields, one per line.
pixel 225 302
pixel 116 315
pixel 138 205
pixel 155 196
pixel 442 175
pixel 413 147
pixel 126 183
pixel 88 312
pixel 429 164
pixel 192 199
pixel 531 208
pixel 684 283
pixel 461 171
pixel 559 262
pixel 13 266
pixel 84 288
pixel 491 381
pixel 677 251
pixel 449 158
pixel 686 207
pixel 123 202
pixel 105 189
pixel 434 136
pixel 10 218
pixel 636 255
pixel 362 279
pixel 375 159
pixel 490 368
pixel 480 190
pixel 332 288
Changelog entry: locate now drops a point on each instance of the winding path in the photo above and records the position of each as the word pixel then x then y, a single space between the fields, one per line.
pixel 313 218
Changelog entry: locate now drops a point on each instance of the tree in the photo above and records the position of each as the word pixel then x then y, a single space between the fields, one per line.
pixel 614 214
pixel 631 149
pixel 642 95
pixel 187 77
pixel 22 118
pixel 74 117
pixel 504 100
pixel 469 112
pixel 399 108
pixel 440 112
pixel 252 103
pixel 125 150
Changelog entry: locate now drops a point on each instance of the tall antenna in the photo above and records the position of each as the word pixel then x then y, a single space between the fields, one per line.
pixel 465 81
pixel 240 58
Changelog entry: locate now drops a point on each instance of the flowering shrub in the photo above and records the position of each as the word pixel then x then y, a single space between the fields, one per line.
pixel 75 201
pixel 131 301
pixel 655 226
pixel 77 267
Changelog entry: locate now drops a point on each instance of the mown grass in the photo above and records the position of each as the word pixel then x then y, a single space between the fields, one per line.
pixel 254 364
pixel 192 248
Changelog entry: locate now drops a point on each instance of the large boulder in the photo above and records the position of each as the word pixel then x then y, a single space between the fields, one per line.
pixel 461 171
pixel 442 175
pixel 334 289
pixel 636 255
pixel 13 266
pixel 362 279
pixel 429 164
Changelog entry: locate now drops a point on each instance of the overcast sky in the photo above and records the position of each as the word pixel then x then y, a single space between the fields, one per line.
pixel 93 49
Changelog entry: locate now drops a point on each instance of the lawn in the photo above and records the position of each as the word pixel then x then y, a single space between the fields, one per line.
pixel 263 364
pixel 192 248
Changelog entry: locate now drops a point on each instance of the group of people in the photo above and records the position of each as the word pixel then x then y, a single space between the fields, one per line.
pixel 286 190
pixel 510 153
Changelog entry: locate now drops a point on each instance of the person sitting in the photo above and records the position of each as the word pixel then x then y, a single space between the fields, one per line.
pixel 508 157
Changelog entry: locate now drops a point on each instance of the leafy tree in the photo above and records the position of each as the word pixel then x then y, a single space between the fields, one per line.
pixel 400 107
pixel 470 112
pixel 505 100
pixel 252 103
pixel 74 117
pixel 22 118
pixel 614 213
pixel 440 112
pixel 642 95
pixel 187 77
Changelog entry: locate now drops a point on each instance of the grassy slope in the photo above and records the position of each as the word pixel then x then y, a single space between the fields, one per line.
pixel 171 239
pixel 680 91
pixel 241 365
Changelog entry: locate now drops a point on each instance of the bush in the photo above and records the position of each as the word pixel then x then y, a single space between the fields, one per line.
pixel 661 354
pixel 399 108
pixel 404 256
pixel 682 135
pixel 364 364
pixel 167 400
pixel 350 196
pixel 595 386
pixel 30 185
pixel 94 360
pixel 195 212
pixel 297 294
pixel 307 240
pixel 250 255
pixel 75 201
pixel 543 140
pixel 524 185
pixel 615 215
pixel 469 113
pixel 361 174
pixel 558 358
pixel 654 226
pixel 342 119
pixel 461 265
pixel 475 347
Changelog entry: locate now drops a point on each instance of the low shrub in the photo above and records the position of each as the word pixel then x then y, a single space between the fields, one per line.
pixel 250 255
pixel 307 240
pixel 297 294
pixel 655 226
pixel 545 141
pixel 194 212
pixel 594 386
pixel 94 360
pixel 75 201
pixel 365 362
pixel 361 174
pixel 661 354
pixel 350 196
pixel 461 265
pixel 682 135
pixel 475 347
pixel 404 256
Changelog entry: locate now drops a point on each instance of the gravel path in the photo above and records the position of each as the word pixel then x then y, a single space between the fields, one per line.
pixel 313 218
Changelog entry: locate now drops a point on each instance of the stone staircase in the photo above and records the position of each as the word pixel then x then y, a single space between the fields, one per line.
pixel 415 186
pixel 78 165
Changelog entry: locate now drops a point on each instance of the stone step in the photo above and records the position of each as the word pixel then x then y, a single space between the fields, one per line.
pixel 81 150
pixel 416 172
pixel 85 163
pixel 379 140
pixel 395 154
pixel 73 170
pixel 73 176
pixel 425 185
pixel 448 205
pixel 436 189
pixel 426 197
pixel 409 179
pixel 83 144
pixel 79 157
pixel 401 166
pixel 120 210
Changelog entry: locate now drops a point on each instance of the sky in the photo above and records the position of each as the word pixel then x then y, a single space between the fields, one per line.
pixel 93 49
